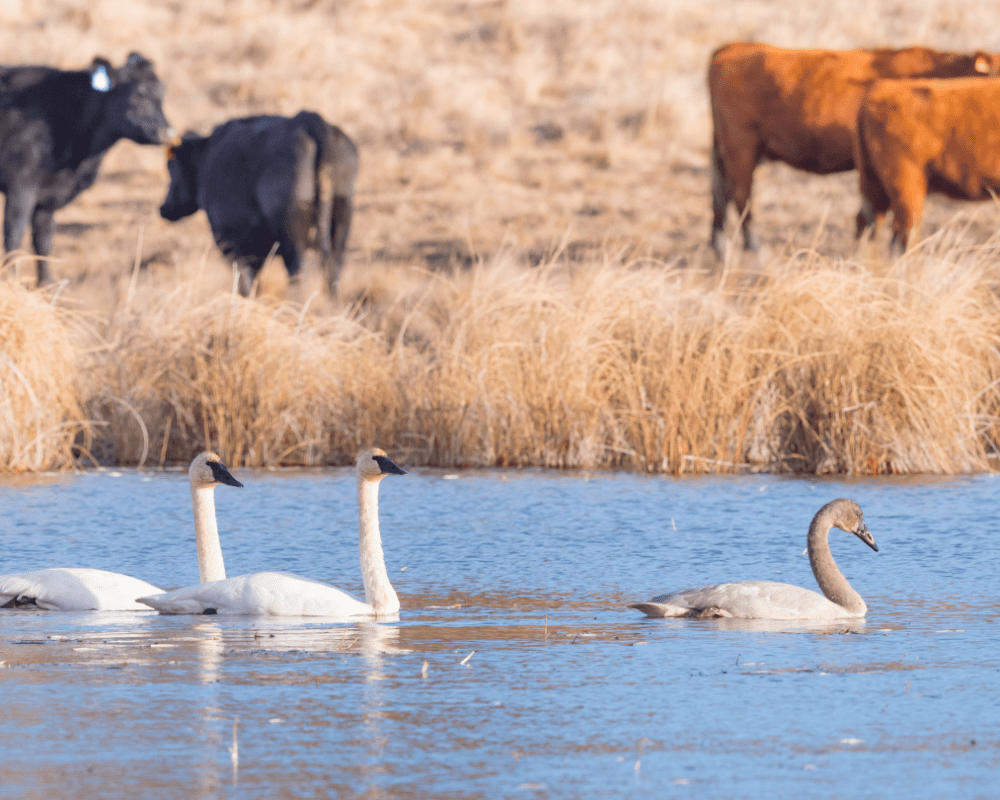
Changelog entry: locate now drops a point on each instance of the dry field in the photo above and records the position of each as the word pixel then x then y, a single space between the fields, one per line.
pixel 528 280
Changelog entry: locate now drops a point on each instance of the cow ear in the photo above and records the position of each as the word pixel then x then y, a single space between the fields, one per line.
pixel 183 143
pixel 136 66
pixel 983 64
pixel 99 78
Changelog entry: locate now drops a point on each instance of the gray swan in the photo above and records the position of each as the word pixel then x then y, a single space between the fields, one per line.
pixel 781 601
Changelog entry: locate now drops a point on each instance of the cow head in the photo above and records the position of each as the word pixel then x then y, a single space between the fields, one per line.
pixel 135 97
pixel 183 163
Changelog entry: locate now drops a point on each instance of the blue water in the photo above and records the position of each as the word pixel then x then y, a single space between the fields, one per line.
pixel 566 693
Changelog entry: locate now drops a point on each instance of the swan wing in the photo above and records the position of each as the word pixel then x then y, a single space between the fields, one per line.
pixel 745 600
pixel 75 590
pixel 260 594
pixel 653 609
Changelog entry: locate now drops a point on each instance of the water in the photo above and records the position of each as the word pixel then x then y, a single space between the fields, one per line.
pixel 538 681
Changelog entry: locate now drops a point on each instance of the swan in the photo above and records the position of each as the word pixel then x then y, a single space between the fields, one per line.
pixel 282 594
pixel 98 590
pixel 770 600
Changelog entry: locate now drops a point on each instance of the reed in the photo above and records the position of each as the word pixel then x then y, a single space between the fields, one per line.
pixel 265 382
pixel 808 365
pixel 40 409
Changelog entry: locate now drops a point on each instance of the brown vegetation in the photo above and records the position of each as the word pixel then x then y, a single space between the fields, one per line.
pixel 528 279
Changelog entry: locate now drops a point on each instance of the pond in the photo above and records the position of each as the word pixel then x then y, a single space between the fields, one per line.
pixel 514 668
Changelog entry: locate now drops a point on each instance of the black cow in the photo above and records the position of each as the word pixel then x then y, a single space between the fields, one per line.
pixel 55 128
pixel 264 182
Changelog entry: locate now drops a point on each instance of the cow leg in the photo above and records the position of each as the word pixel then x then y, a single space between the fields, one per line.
pixel 293 236
pixel 246 276
pixel 869 218
pixel 16 215
pixel 247 268
pixel 905 229
pixel 721 192
pixel 750 240
pixel 874 200
pixel 340 226
pixel 908 191
pixel 290 250
pixel 42 229
pixel 741 165
pixel 285 193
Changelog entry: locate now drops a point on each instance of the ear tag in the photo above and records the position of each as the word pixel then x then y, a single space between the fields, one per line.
pixel 100 80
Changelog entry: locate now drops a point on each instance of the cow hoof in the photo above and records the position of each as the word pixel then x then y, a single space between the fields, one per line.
pixel 719 244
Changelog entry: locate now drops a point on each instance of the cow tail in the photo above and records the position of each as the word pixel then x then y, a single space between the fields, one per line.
pixel 336 171
pixel 317 129
pixel 345 173
pixel 874 199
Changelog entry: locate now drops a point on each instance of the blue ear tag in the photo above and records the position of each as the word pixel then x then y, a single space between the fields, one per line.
pixel 100 80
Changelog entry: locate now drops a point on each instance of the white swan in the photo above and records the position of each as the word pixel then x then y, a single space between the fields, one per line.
pixel 206 472
pixel 281 594
pixel 97 590
pixel 769 600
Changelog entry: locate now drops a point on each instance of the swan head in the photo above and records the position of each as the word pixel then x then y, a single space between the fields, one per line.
pixel 848 516
pixel 374 464
pixel 207 469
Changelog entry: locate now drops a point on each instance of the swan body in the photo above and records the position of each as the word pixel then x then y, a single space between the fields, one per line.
pixel 781 601
pixel 282 594
pixel 98 590
pixel 73 589
pixel 277 594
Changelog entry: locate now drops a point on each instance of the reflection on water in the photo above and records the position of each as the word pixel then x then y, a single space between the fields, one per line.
pixel 514 668
pixel 790 625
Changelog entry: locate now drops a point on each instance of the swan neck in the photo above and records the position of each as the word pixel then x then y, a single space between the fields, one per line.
pixel 379 593
pixel 206 534
pixel 829 577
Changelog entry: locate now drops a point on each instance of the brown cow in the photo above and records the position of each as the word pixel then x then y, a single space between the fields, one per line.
pixel 922 136
pixel 800 107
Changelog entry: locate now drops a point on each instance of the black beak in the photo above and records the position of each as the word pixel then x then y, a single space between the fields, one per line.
pixel 387 466
pixel 865 536
pixel 222 475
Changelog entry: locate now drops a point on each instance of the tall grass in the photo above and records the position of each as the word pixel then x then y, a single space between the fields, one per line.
pixel 40 409
pixel 809 365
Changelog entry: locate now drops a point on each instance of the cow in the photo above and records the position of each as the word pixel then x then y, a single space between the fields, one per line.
pixel 800 107
pixel 921 136
pixel 263 182
pixel 56 126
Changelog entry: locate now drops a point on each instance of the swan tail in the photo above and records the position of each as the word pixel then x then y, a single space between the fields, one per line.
pixel 173 605
pixel 712 612
pixel 17 590
pixel 658 610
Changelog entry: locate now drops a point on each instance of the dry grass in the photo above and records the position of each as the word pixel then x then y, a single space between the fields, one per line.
pixel 40 410
pixel 810 366
pixel 528 280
